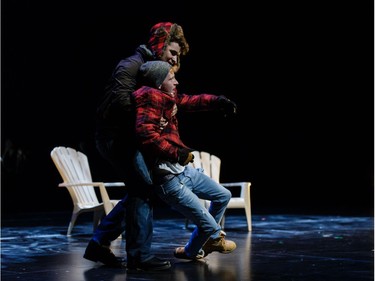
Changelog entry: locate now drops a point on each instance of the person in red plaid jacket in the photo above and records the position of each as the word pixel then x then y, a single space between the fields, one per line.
pixel 167 156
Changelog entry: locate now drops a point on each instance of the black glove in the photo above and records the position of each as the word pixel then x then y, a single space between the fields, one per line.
pixel 185 156
pixel 226 105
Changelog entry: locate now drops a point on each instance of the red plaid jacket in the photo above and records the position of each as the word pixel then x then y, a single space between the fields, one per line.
pixel 156 120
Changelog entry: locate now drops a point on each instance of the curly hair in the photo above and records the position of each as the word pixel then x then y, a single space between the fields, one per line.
pixel 176 34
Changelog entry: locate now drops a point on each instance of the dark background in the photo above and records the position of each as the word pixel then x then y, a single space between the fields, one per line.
pixel 301 72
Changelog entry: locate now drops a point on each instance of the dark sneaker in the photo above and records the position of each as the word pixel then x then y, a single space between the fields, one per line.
pixel 180 254
pixel 219 244
pixel 153 264
pixel 96 252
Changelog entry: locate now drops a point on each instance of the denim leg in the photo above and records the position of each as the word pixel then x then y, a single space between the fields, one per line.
pixel 138 207
pixel 183 193
pixel 206 188
pixel 112 225
pixel 139 229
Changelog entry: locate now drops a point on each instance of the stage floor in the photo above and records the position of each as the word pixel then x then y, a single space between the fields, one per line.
pixel 280 247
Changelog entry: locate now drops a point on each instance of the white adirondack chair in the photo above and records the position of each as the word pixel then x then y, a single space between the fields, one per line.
pixel 74 169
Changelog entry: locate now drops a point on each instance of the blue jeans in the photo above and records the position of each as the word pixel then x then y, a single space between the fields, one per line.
pixel 183 193
pixel 134 213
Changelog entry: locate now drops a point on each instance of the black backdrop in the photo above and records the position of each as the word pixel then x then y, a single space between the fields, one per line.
pixel 302 74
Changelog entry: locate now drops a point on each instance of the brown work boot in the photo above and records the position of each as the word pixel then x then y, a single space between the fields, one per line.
pixel 219 244
pixel 180 254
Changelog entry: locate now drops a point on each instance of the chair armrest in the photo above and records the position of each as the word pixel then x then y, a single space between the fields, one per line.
pixel 65 184
pixel 245 188
pixel 243 183
pixel 111 184
pixel 106 184
pixel 102 188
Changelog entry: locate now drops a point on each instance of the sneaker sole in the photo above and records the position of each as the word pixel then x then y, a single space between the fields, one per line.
pixel 186 257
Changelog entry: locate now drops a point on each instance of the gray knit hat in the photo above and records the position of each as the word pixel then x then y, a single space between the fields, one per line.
pixel 153 73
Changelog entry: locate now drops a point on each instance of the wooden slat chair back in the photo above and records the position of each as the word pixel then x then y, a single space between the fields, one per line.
pixel 74 169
